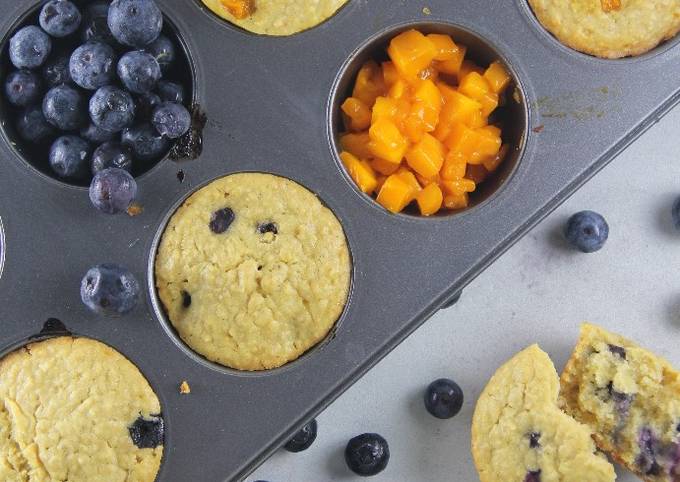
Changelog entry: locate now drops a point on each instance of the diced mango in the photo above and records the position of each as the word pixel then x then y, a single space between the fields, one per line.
pixel 446 47
pixel 456 201
pixel 429 73
pixel 369 83
pixel 414 128
pixel 446 90
pixel 468 66
pixel 358 113
pixel 426 157
pixel 452 66
pixel 492 164
pixel 395 194
pixel 384 108
pixel 476 173
pixel 356 144
pixel 384 167
pixel 489 141
pixel 428 93
pixel 477 120
pixel 497 76
pixel 426 181
pixel 454 167
pixel 474 86
pixel 381 181
pixel 489 103
pixel 457 108
pixel 398 90
pixel 386 141
pixel 458 186
pixel 462 139
pixel 390 74
pixel 239 8
pixel 411 53
pixel 430 200
pixel 360 172
pixel 410 179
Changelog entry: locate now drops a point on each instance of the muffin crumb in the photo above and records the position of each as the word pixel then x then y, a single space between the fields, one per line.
pixel 184 388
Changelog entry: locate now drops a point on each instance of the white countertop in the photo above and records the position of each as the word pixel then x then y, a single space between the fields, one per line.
pixel 537 292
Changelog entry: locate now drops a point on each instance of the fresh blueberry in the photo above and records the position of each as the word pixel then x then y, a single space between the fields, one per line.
pixel 92 65
pixel 109 289
pixel 163 50
pixel 443 398
pixel 112 108
pixel 303 439
pixel 135 23
pixel 64 107
pixel 170 91
pixel 95 23
pixel 69 157
pixel 97 135
pixel 29 47
pixel 59 18
pixel 112 190
pixel 533 476
pixel 32 125
pixel 676 214
pixel 146 103
pixel 367 454
pixel 56 70
pixel 221 220
pixel 139 71
pixel 147 434
pixel 145 142
pixel 587 231
pixel 171 120
pixel 22 87
pixel 111 154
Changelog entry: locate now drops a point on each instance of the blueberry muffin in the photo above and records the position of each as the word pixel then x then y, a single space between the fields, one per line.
pixel 519 434
pixel 609 28
pixel 253 271
pixel 75 409
pixel 275 17
pixel 630 398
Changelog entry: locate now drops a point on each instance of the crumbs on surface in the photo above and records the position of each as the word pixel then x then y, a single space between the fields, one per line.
pixel 135 209
pixel 184 388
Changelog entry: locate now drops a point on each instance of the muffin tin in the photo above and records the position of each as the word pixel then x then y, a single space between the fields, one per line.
pixel 270 107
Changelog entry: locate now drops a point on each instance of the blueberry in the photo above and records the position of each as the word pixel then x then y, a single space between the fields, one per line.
pixel 170 91
pixel 221 220
pixel 587 231
pixel 111 154
pixel 64 107
pixel 533 476
pixel 135 23
pixel 59 18
pixel 56 71
pixel 92 65
pixel 675 212
pixel 268 227
pixel 32 125
pixel 648 445
pixel 171 120
pixel 163 50
pixel 147 434
pixel 618 350
pixel 109 289
pixel 139 71
pixel 443 398
pixel 146 103
pixel 303 439
pixel 112 190
pixel 112 108
pixel 186 299
pixel 22 87
pixel 69 156
pixel 145 142
pixel 97 135
pixel 29 47
pixel 534 440
pixel 367 454
pixel 95 24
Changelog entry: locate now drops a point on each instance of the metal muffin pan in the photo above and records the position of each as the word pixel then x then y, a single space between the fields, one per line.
pixel 267 104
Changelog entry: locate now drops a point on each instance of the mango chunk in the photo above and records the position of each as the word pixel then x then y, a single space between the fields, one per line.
pixel 430 200
pixel 384 167
pixel 362 174
pixel 426 157
pixel 497 76
pixel 411 52
pixel 456 201
pixel 453 65
pixel 410 179
pixel 356 144
pixel 369 84
pixel 455 165
pixel 395 194
pixel 459 186
pixel 239 8
pixel 387 142
pixel 358 113
pixel 446 47
pixel 468 66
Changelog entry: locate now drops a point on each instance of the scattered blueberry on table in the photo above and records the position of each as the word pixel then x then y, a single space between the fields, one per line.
pixel 100 72
pixel 587 231
pixel 113 190
pixel 367 454
pixel 109 289
pixel 303 439
pixel 443 398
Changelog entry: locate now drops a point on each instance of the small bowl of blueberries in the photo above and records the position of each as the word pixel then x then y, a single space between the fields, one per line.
pixel 96 93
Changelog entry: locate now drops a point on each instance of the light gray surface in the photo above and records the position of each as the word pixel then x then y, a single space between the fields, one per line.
pixel 537 292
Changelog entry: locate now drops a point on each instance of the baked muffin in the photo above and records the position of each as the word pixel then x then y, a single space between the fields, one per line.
pixel 275 17
pixel 75 409
pixel 253 271
pixel 519 434
pixel 629 398
pixel 609 28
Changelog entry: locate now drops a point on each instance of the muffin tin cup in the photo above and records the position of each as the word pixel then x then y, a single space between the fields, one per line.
pixel 267 104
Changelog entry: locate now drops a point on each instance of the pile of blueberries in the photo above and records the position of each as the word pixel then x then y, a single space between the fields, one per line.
pixel 89 87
